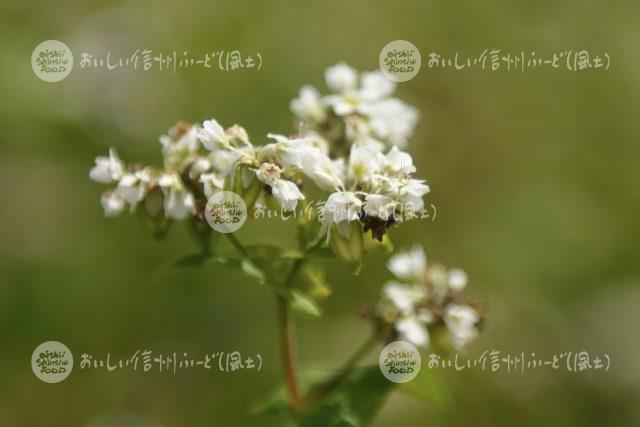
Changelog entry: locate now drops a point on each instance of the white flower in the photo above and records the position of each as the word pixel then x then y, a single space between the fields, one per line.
pixel 364 160
pixel 286 193
pixel 408 192
pixel 414 187
pixel 212 135
pixel 391 120
pixel 460 321
pixel 404 297
pixel 409 265
pixel 411 194
pixel 308 106
pixel 289 152
pixel 457 279
pixel 178 202
pixel 318 141
pixel 413 330
pixel 341 78
pixel 238 133
pixel 281 138
pixel 132 188
pixel 268 173
pixel 107 169
pixel 343 81
pixel 212 182
pixel 327 174
pixel 112 203
pixel 379 206
pixel 224 160
pixel 179 145
pixel 375 85
pixel 342 105
pixel 340 208
pixel 399 161
pixel 348 98
pixel 317 166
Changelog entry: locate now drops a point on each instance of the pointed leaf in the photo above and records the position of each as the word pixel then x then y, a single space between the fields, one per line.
pixel 354 403
pixel 304 305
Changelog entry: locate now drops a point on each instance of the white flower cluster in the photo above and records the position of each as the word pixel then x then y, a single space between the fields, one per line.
pixel 360 104
pixel 427 296
pixel 363 128
pixel 160 190
pixel 368 180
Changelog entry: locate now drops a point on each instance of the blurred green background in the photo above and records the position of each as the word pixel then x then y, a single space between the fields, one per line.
pixel 534 177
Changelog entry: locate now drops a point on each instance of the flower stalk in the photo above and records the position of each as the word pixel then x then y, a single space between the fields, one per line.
pixel 286 327
pixel 288 350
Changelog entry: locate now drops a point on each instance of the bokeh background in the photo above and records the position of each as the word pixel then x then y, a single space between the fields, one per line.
pixel 534 177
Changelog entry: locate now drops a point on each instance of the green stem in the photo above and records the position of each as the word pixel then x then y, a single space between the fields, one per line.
pixel 318 393
pixel 288 338
pixel 285 325
pixel 236 243
pixel 287 341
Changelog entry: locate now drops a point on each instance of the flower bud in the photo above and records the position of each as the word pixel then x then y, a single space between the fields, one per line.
pixel 347 241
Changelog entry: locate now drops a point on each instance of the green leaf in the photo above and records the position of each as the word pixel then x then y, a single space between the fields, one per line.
pixel 354 403
pixel 291 254
pixel 275 263
pixel 252 270
pixel 277 400
pixel 428 388
pixel 273 260
pixel 304 305
pixel 313 276
pixel 198 260
pixel 193 261
pixel 264 264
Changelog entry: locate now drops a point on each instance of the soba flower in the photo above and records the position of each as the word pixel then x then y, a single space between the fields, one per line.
pixel 286 192
pixel 112 203
pixel 409 266
pixel 107 169
pixel 308 106
pixel 212 135
pixel 341 78
pixel 178 202
pixel 179 145
pixel 461 322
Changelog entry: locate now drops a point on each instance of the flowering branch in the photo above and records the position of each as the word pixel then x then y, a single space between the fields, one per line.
pixel 348 145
